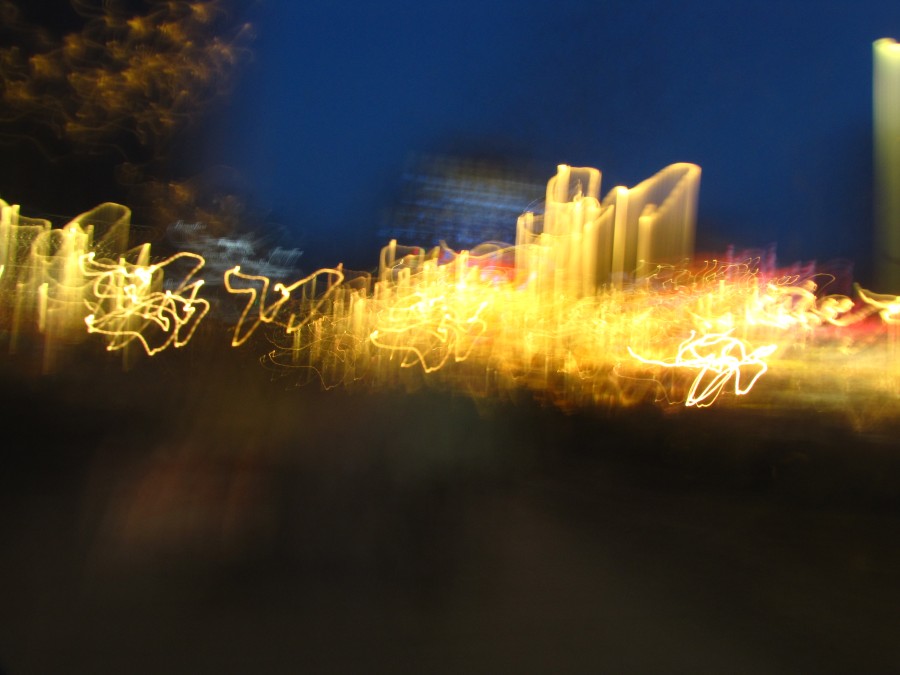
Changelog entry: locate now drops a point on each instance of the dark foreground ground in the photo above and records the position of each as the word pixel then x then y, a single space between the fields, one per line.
pixel 195 516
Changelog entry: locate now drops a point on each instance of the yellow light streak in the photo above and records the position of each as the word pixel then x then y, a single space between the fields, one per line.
pixel 127 305
pixel 550 314
pixel 82 279
pixel 281 310
pixel 887 306
pixel 718 357
pixel 544 316
pixel 886 150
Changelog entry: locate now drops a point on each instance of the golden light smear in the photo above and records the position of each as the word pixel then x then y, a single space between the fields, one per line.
pixel 127 304
pixel 264 311
pixel 66 283
pixel 718 358
pixel 886 155
pixel 673 336
pixel 574 314
pixel 569 322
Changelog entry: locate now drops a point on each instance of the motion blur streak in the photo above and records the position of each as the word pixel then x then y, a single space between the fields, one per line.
pixel 269 312
pixel 576 313
pixel 562 314
pixel 127 305
pixel 721 356
pixel 671 335
pixel 67 282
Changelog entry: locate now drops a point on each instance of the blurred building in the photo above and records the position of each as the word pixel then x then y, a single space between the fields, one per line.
pixel 461 201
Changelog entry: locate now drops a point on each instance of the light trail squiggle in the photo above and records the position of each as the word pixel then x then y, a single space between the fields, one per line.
pixel 83 279
pixel 126 305
pixel 282 311
pixel 718 357
pixel 541 316
pixel 560 313
pixel 467 321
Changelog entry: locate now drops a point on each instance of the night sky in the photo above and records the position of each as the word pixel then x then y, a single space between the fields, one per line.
pixel 773 101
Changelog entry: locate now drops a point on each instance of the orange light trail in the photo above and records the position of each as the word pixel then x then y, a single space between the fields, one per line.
pixel 126 305
pixel 558 314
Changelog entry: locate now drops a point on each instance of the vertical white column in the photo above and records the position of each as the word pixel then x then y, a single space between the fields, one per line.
pixel 620 237
pixel 886 124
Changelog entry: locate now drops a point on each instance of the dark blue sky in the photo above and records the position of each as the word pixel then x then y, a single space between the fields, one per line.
pixel 773 100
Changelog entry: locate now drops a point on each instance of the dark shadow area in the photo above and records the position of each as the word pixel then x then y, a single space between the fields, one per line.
pixel 194 515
